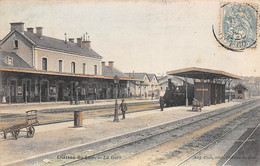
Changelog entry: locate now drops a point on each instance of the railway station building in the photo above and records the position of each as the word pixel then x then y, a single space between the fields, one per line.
pixel 38 68
pixel 209 85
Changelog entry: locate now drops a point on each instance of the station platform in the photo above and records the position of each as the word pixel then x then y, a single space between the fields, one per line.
pixel 53 138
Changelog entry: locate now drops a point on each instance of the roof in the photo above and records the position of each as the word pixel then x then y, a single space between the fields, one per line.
pixel 160 77
pixel 189 80
pixel 136 75
pixel 107 71
pixel 150 76
pixel 240 86
pixel 201 73
pixel 175 80
pixel 54 44
pixel 18 62
pixel 60 45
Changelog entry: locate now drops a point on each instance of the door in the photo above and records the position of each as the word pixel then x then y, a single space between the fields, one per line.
pixel 26 90
pixel 60 91
pixel 44 91
pixel 13 90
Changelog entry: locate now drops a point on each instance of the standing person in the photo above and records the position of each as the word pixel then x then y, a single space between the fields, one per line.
pixel 161 102
pixel 123 107
pixel 152 95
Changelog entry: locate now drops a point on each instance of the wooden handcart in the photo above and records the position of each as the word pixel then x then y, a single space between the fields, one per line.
pixel 196 105
pixel 31 120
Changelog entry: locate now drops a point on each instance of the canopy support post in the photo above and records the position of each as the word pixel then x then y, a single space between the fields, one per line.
pixel 186 89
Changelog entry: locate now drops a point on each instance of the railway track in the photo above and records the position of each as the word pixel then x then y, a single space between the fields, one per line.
pixel 52 116
pixel 234 153
pixel 144 140
pixel 244 119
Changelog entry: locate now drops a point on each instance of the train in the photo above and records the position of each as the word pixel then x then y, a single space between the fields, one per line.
pixel 176 95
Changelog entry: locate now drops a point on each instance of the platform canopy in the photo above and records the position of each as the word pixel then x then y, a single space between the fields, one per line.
pixel 201 73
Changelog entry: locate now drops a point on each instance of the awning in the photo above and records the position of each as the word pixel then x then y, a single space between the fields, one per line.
pixel 32 71
pixel 201 73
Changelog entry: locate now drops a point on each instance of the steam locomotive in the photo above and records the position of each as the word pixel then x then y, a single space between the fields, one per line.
pixel 176 95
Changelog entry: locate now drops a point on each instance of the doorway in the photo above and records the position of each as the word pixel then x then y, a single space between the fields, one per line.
pixel 26 90
pixel 44 91
pixel 13 91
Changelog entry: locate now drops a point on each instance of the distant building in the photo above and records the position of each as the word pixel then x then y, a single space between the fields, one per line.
pixel 123 89
pixel 251 83
pixel 241 92
pixel 153 86
pixel 139 88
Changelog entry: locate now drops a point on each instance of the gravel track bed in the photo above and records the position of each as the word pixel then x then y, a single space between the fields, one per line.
pixel 212 135
pixel 145 139
pixel 59 110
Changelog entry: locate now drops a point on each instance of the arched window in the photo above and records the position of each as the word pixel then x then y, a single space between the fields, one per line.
pixel 44 64
pixel 73 67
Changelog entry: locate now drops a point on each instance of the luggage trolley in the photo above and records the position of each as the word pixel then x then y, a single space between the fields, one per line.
pixel 31 121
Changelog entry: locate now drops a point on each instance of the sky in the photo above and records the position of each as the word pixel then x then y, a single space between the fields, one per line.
pixel 140 36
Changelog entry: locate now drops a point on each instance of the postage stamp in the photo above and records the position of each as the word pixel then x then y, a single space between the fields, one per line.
pixel 238 25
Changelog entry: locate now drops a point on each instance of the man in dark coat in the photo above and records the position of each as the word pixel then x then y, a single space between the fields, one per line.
pixel 161 103
pixel 123 107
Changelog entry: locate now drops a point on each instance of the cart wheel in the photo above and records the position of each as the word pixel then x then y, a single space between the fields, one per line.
pixel 15 133
pixel 30 131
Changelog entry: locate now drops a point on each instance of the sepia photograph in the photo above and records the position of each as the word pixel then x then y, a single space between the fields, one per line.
pixel 129 83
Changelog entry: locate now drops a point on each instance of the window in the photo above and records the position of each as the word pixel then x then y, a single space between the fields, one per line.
pixel 72 67
pixel 44 64
pixel 84 68
pixel 95 69
pixel 60 65
pixel 239 91
pixel 16 44
pixel 10 61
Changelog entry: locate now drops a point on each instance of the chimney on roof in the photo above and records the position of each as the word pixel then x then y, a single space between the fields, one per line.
pixel 103 64
pixel 65 38
pixel 39 32
pixel 79 42
pixel 110 64
pixel 71 40
pixel 87 44
pixel 30 30
pixel 17 25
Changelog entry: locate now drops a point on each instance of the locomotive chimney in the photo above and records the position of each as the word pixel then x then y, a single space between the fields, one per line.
pixel 170 84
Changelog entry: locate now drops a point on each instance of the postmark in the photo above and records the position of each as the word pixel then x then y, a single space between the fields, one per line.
pixel 238 26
